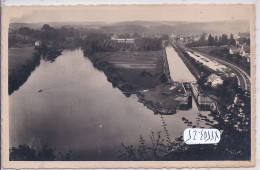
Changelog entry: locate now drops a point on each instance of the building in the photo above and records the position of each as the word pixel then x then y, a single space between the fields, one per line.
pixel 234 50
pixel 114 37
pixel 236 36
pixel 245 52
pixel 214 80
pixel 172 36
pixel 37 43
pixel 123 40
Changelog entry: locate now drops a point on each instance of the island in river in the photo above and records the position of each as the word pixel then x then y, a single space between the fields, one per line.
pixel 142 73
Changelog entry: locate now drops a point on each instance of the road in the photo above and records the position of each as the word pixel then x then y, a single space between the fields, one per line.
pixel 243 78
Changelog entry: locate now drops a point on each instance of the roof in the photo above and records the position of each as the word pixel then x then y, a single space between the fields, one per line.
pixel 235 49
pixel 246 48
pixel 213 77
pixel 182 98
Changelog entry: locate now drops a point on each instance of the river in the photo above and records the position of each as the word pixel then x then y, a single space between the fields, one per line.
pixel 70 105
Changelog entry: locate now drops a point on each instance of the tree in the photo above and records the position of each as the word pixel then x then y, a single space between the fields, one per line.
pixel 232 40
pixel 163 78
pixel 210 40
pixel 202 40
pixel 224 39
pixel 46 27
pixel 203 37
pixel 136 35
pixel 24 31
pixel 220 40
pixel 26 153
pixel 216 40
pixel 165 37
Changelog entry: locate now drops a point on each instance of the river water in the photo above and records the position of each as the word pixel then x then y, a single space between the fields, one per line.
pixel 70 105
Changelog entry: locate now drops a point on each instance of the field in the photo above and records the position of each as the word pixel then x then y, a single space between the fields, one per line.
pixel 141 73
pixel 208 49
pixel 18 57
pixel 141 70
pixel 21 62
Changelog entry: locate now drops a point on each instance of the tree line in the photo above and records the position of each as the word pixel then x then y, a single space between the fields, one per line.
pixel 90 41
pixel 211 40
pixel 56 37
pixel 100 42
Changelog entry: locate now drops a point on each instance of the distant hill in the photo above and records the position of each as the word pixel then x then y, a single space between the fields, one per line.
pixel 30 25
pixel 153 27
pixel 189 28
pixel 59 24
pixel 212 27
pixel 121 29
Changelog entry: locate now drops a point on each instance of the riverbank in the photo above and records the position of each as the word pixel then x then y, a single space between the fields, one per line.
pixel 141 73
pixel 21 62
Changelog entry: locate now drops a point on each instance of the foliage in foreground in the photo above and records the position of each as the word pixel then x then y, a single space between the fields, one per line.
pixel 26 153
pixel 234 144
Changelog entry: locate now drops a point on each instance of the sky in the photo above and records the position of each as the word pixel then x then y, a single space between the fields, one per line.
pixel 117 13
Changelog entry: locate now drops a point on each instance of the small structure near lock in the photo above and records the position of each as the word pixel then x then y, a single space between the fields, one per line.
pixel 214 80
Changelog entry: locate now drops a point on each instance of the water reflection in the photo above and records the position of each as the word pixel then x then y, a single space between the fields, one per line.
pixel 79 110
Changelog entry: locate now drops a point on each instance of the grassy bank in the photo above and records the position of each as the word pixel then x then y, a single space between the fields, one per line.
pixel 21 62
pixel 129 71
pixel 140 73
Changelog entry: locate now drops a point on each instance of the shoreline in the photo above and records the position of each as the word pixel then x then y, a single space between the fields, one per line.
pixel 18 76
pixel 161 99
pixel 19 72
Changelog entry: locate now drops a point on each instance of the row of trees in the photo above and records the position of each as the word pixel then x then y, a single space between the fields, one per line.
pixel 224 54
pixel 99 42
pixel 48 35
pixel 90 42
pixel 211 40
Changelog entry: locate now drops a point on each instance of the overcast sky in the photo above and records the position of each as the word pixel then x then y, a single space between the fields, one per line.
pixel 114 13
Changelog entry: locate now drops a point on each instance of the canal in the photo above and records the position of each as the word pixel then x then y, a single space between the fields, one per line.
pixel 178 70
pixel 70 105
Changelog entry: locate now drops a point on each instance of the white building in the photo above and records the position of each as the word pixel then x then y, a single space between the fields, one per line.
pixel 214 80
pixel 123 40
pixel 245 52
pixel 172 36
pixel 234 50
pixel 37 43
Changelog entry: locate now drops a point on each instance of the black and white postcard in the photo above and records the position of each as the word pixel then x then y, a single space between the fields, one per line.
pixel 128 86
